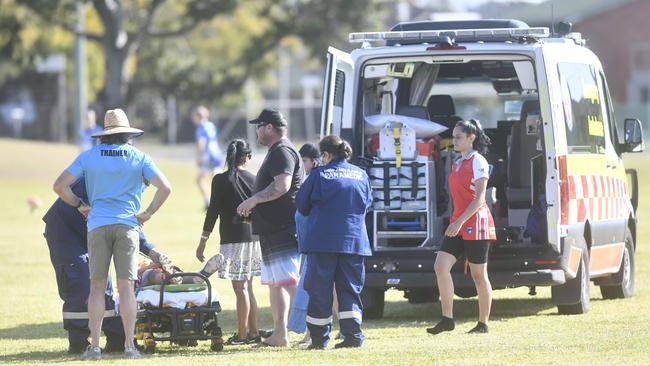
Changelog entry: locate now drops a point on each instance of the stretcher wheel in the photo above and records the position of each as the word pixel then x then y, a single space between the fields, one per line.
pixel 217 345
pixel 149 345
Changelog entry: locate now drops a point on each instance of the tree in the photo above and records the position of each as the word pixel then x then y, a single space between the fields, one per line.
pixel 138 39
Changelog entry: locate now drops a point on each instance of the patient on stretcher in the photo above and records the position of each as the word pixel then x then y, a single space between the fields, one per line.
pixel 150 273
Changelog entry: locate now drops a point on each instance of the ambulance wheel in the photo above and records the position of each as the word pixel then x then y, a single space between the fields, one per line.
pixel 625 275
pixel 579 284
pixel 422 295
pixel 465 292
pixel 217 345
pixel 373 302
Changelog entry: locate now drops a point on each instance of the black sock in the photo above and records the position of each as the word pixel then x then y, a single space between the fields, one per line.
pixel 479 328
pixel 445 324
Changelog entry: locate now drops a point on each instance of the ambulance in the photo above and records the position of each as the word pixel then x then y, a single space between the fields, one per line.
pixel 563 203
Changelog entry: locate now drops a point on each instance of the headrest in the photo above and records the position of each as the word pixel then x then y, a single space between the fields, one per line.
pixel 441 105
pixel 416 111
pixel 529 107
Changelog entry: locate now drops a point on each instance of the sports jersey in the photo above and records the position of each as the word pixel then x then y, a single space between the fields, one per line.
pixel 464 173
pixel 207 132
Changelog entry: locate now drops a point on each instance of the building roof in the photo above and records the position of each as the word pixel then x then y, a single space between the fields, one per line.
pixel 573 11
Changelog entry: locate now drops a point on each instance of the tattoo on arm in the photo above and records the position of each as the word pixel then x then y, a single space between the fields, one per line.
pixel 281 184
pixel 270 193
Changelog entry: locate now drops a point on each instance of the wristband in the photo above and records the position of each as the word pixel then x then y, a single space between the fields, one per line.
pixel 205 237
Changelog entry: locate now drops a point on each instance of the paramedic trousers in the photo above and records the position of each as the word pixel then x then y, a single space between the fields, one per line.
pixel 73 281
pixel 346 272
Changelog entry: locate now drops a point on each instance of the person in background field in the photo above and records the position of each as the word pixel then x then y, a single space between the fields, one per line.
pixel 114 171
pixel 66 236
pixel 241 257
pixel 273 211
pixel 86 139
pixel 471 227
pixel 335 199
pixel 208 156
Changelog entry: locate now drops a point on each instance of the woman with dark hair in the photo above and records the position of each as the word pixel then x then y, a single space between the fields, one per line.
pixel 240 257
pixel 471 227
pixel 335 199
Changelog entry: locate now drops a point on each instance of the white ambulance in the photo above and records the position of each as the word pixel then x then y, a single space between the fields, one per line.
pixel 563 203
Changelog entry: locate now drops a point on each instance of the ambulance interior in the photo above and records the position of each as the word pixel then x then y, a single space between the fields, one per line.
pixel 500 92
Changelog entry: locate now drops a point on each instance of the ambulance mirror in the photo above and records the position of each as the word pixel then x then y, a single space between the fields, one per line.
pixel 633 135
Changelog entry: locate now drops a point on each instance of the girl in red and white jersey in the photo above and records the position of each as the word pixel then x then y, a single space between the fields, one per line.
pixel 471 227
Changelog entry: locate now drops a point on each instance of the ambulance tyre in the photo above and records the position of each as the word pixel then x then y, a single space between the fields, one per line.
pixel 422 295
pixel 465 292
pixel 625 275
pixel 577 288
pixel 373 302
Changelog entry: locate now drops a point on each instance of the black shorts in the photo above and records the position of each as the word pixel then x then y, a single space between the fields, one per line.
pixel 476 251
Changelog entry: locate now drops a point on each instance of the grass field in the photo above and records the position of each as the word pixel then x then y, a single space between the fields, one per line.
pixel 524 329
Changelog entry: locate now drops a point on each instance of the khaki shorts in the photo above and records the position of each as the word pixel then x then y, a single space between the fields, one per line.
pixel 118 241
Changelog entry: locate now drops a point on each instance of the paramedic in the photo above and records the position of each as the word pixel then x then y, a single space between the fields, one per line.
pixel 66 235
pixel 273 210
pixel 208 155
pixel 335 199
pixel 471 227
pixel 114 171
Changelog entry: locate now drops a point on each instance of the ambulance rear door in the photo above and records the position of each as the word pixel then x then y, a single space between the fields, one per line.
pixel 338 95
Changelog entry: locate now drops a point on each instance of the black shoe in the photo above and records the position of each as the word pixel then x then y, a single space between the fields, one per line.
pixel 76 349
pixel 254 340
pixel 316 347
pixel 479 328
pixel 265 333
pixel 444 325
pixel 236 341
pixel 348 344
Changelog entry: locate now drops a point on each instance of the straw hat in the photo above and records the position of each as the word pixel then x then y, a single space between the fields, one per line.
pixel 115 121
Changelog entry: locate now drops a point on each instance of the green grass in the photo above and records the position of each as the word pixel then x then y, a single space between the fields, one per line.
pixel 524 329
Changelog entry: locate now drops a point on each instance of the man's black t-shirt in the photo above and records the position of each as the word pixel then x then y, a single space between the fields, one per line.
pixel 279 214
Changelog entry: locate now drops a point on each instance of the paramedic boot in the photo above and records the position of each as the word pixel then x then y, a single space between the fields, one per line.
pixel 75 349
pixel 92 353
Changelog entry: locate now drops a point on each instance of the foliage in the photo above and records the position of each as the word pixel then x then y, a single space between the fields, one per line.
pixel 199 49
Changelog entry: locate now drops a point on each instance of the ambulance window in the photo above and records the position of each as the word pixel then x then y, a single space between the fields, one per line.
pixel 583 114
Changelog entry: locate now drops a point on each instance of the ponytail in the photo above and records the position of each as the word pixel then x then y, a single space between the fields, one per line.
pixel 473 127
pixel 236 154
pixel 336 147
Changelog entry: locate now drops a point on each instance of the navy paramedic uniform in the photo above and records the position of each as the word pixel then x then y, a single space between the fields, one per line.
pixel 66 236
pixel 335 199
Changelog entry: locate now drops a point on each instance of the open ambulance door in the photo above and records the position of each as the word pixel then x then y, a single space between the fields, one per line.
pixel 337 114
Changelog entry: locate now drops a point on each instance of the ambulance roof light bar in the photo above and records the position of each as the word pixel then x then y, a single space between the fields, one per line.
pixel 458 35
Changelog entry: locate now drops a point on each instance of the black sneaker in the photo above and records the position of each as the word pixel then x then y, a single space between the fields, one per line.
pixel 236 341
pixel 444 325
pixel 479 328
pixel 75 349
pixel 254 340
pixel 348 344
pixel 265 333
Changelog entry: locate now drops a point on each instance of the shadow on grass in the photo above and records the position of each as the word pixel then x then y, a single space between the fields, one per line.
pixel 227 322
pixel 400 313
pixel 34 331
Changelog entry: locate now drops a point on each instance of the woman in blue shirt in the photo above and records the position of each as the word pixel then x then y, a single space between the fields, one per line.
pixel 335 199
